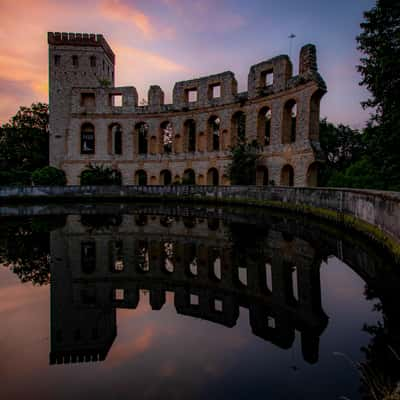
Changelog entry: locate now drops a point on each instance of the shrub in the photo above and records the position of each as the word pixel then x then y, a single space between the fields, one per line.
pixel 49 176
pixel 15 177
pixel 100 175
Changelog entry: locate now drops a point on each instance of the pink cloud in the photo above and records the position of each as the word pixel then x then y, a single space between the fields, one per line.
pixel 116 10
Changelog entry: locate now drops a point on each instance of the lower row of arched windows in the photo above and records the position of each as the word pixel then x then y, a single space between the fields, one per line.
pixel 166 177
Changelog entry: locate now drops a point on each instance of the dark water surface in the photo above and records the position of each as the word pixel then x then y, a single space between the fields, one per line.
pixel 164 302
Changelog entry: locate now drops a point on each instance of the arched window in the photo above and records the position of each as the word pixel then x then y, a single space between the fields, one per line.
pixel 262 175
pixel 88 257
pixel 142 130
pixel 141 178
pixel 287 175
pixel 212 177
pixel 167 134
pixel 238 127
pixel 92 61
pixel 87 139
pixel 214 124
pixel 116 139
pixel 165 177
pixel 190 135
pixel 289 122
pixel 189 177
pixel 264 126
pixel 314 115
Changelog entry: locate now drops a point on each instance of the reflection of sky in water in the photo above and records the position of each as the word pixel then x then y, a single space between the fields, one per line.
pixel 162 352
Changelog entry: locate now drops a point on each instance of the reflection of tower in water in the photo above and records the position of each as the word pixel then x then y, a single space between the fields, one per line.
pixel 212 268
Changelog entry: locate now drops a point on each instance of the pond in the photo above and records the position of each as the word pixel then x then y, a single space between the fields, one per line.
pixel 151 301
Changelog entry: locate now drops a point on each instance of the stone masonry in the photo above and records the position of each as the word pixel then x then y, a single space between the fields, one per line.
pixel 92 121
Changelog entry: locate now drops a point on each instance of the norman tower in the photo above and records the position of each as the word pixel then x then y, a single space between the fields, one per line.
pixel 75 60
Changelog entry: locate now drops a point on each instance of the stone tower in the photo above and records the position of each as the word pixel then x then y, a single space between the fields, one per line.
pixel 75 60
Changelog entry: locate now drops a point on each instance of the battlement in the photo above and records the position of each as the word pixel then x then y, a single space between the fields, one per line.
pixel 80 39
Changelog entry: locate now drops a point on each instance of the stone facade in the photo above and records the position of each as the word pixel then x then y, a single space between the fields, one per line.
pixel 92 121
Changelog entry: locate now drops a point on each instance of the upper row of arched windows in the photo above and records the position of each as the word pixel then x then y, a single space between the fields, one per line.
pixel 215 139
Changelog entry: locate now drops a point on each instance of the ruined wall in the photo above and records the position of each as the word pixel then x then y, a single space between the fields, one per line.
pixel 79 97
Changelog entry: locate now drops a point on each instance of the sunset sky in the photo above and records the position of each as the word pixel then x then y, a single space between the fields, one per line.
pixel 163 41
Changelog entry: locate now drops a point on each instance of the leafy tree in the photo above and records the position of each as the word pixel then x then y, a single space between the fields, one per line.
pixel 242 169
pixel 100 175
pixel 380 44
pixel 24 140
pixel 341 144
pixel 343 147
pixel 49 176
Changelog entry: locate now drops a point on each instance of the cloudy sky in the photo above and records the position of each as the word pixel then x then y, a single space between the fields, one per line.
pixel 163 41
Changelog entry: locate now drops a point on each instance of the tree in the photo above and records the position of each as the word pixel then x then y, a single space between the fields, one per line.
pixel 242 169
pixel 380 69
pixel 341 144
pixel 24 140
pixel 49 176
pixel 343 147
pixel 100 175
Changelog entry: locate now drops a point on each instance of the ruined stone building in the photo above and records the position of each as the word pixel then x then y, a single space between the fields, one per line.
pixel 92 121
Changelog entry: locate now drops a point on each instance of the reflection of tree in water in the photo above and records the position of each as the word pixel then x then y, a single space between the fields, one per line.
pixel 380 372
pixel 143 256
pixel 169 256
pixel 25 248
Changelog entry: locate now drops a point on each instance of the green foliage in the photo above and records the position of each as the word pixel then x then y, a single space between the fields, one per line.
pixel 100 175
pixel 360 174
pixel 242 169
pixel 15 177
pixel 379 42
pixel 24 140
pixel 49 176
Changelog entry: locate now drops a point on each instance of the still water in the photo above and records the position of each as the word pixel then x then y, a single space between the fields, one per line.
pixel 165 302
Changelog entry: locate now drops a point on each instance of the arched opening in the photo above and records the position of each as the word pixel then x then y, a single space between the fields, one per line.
pixel 238 131
pixel 142 131
pixel 212 177
pixel 314 114
pixel 214 125
pixel 189 177
pixel 115 139
pixel 88 257
pixel 87 139
pixel 141 178
pixel 289 122
pixel 264 126
pixel 190 135
pixel 313 174
pixel 287 175
pixel 165 177
pixel 167 134
pixel 262 175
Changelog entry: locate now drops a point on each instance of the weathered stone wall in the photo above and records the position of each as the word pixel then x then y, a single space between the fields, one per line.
pixel 79 95
pixel 377 209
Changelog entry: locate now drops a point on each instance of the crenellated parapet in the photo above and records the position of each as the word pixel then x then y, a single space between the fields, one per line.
pixel 80 40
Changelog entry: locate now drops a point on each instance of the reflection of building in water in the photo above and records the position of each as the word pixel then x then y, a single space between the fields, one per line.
pixel 96 270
